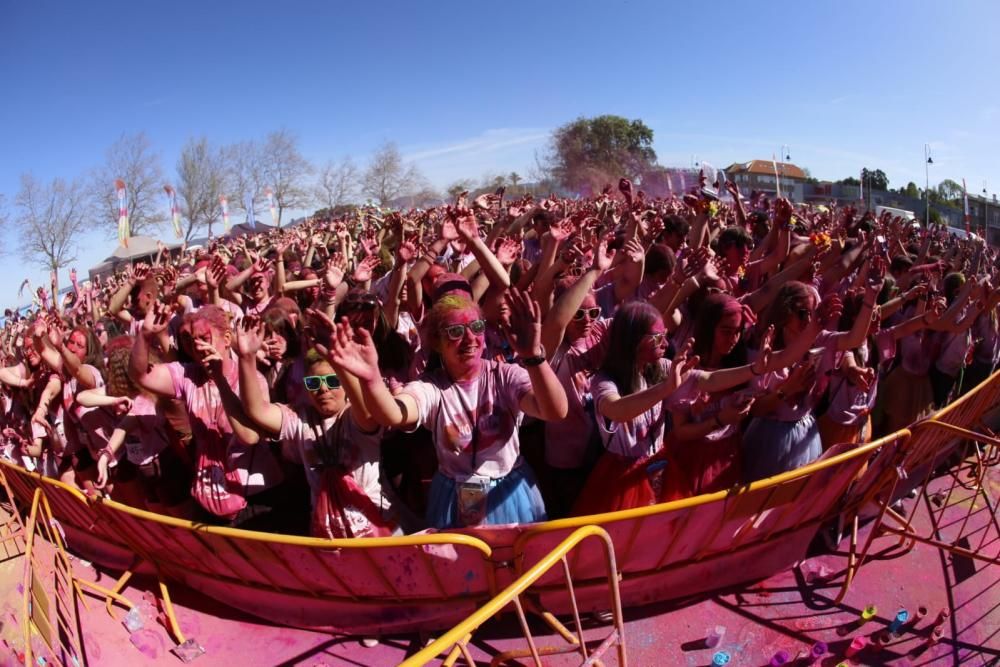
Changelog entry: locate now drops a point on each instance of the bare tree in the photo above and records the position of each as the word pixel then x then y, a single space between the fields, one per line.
pixel 337 183
pixel 131 159
pixel 285 171
pixel 3 213
pixel 244 173
pixel 201 180
pixel 388 177
pixel 50 220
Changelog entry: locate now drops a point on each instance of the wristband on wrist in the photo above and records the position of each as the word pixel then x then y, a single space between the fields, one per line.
pixel 529 362
pixel 107 451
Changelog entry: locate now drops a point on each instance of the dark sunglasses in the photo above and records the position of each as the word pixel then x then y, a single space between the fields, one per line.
pixel 456 331
pixel 314 382
pixel 803 314
pixel 592 313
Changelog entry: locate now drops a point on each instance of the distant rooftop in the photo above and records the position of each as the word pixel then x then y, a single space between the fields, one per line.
pixel 766 167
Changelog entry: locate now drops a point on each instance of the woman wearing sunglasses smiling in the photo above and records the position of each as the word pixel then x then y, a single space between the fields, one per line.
pixel 472 406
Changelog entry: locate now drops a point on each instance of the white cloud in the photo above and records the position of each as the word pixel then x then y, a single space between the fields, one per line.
pixel 496 150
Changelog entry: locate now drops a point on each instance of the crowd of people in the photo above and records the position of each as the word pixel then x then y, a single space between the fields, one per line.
pixel 492 361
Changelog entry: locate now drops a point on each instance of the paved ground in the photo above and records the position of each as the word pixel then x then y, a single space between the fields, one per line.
pixel 790 611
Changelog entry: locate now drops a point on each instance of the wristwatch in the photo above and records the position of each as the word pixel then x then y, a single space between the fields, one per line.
pixel 529 362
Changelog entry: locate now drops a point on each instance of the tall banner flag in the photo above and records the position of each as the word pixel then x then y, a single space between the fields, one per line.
pixel 123 230
pixel 684 185
pixel 269 193
pixel 670 184
pixel 965 201
pixel 248 202
pixel 175 214
pixel 777 178
pixel 224 203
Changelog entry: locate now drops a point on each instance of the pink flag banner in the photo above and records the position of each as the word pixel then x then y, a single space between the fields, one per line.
pixel 224 203
pixel 269 193
pixel 777 177
pixel 123 228
pixel 965 202
pixel 175 214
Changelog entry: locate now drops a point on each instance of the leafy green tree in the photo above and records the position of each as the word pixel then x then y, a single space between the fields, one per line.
pixel 911 190
pixel 949 189
pixel 875 179
pixel 588 153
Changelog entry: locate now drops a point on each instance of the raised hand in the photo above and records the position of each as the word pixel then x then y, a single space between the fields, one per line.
pixel 508 251
pixel 683 363
pixel 363 270
pixel 249 337
pixel 523 327
pixel 603 258
pixel 156 320
pixel 353 351
pixel 625 187
pixel 561 230
pixel 406 250
pixel 141 272
pixel 468 229
pixel 336 268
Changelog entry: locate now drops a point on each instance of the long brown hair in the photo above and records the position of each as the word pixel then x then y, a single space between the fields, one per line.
pixel 631 323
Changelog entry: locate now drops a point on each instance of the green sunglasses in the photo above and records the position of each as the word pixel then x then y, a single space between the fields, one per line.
pixel 314 382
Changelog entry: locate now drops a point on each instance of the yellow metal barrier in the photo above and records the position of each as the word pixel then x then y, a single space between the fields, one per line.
pixel 432 580
pixel 455 640
pixel 51 592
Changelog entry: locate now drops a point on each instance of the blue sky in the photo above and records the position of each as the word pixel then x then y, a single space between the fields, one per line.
pixel 469 88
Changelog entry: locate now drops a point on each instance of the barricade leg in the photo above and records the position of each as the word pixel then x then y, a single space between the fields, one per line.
pixel 12 528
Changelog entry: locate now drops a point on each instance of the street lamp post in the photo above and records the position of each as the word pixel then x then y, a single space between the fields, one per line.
pixel 928 161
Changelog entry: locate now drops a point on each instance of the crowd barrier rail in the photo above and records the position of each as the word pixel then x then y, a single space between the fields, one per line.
pixel 456 640
pixel 433 580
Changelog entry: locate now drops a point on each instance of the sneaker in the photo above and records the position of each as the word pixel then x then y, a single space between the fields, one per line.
pixel 369 642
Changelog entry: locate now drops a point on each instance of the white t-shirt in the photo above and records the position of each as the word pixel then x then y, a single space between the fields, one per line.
pixel 315 442
pixel 475 423
pixel 643 435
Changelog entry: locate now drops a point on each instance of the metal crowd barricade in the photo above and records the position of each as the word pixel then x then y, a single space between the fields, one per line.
pixel 955 432
pixel 456 640
pixel 913 464
pixel 433 580
pixel 349 585
pixel 51 592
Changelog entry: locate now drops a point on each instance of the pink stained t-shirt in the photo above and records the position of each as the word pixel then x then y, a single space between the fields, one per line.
pixel 474 424
pixel 316 442
pixel 226 470
pixel 566 440
pixel 642 435
pixel 148 438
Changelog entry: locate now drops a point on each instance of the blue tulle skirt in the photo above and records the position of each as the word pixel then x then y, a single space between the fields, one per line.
pixel 771 447
pixel 511 499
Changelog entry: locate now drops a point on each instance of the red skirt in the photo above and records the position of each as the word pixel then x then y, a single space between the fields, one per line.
pixel 701 466
pixel 619 483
